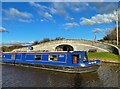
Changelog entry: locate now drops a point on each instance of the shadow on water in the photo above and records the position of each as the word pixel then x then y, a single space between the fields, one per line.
pixel 77 81
pixel 86 80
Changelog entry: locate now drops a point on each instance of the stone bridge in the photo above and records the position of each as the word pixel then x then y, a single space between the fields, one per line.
pixel 73 45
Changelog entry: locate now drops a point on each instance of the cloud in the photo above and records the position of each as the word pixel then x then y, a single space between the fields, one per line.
pixel 65 9
pixel 14 14
pixel 15 43
pixel 97 30
pixel 86 21
pixel 38 5
pixel 74 24
pixel 25 20
pixel 70 25
pixel 99 19
pixel 103 31
pixel 58 8
pixel 41 20
pixel 48 15
pixel 43 11
pixel 77 6
pixel 47 12
pixel 3 29
pixel 104 7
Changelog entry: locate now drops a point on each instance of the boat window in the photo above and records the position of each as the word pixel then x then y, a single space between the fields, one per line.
pixel 38 57
pixel 85 57
pixel 75 59
pixel 80 56
pixel 53 57
pixel 13 56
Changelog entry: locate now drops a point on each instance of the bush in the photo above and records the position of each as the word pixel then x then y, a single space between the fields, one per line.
pixel 45 40
pixel 10 48
pixel 35 43
pixel 92 50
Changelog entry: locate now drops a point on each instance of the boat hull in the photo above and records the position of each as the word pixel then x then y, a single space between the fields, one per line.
pixel 68 69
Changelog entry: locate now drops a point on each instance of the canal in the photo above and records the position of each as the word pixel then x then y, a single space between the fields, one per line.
pixel 18 76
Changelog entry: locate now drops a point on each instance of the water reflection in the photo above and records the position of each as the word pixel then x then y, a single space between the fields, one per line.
pixel 17 76
pixel 109 74
pixel 86 80
pixel 77 80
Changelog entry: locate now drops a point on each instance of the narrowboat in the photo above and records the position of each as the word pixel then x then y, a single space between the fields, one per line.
pixel 72 62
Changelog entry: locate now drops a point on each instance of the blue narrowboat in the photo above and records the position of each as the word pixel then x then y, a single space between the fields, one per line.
pixel 72 62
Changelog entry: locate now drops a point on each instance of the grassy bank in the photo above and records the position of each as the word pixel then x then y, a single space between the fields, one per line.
pixel 104 56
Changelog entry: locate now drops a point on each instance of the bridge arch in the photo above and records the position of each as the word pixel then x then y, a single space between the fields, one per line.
pixel 64 47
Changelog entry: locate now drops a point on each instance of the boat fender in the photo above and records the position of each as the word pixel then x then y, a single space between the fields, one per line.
pixel 89 63
pixel 94 62
pixel 82 64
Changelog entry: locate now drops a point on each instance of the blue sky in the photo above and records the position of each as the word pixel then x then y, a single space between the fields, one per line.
pixel 31 21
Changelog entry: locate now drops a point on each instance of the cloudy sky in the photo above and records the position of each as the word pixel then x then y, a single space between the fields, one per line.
pixel 31 21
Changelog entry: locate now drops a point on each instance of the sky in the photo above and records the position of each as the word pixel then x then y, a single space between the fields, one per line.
pixel 24 22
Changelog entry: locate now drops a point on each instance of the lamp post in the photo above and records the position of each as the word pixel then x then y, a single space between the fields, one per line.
pixel 94 36
pixel 117 25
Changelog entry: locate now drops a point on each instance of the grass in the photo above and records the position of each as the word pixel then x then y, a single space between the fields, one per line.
pixel 105 56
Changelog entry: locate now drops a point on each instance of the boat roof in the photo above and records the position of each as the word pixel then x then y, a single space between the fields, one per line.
pixel 58 52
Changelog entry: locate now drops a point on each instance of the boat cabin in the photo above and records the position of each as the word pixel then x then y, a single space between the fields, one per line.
pixel 74 58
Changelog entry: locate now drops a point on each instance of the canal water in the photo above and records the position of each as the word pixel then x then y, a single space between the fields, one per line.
pixel 18 76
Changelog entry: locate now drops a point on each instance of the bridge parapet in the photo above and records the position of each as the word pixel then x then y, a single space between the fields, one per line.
pixel 77 44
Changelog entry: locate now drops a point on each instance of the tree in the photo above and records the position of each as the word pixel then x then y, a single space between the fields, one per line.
pixel 35 43
pixel 45 40
pixel 112 35
pixel 59 38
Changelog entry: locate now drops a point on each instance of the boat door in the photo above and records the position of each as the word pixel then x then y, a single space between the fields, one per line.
pixel 75 58
pixel 13 56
